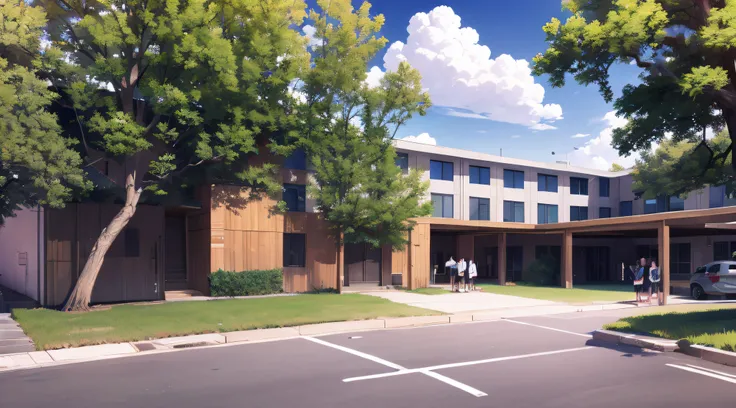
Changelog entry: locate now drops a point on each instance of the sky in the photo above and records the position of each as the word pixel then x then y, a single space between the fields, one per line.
pixel 475 60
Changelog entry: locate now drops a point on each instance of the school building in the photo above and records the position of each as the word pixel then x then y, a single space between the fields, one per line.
pixel 502 212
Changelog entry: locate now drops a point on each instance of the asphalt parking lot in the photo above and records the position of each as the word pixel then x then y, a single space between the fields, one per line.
pixel 528 362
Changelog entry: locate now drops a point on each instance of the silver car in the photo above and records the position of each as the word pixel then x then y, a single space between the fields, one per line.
pixel 716 279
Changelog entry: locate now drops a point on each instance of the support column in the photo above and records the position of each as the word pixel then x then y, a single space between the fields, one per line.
pixel 502 258
pixel 663 241
pixel 566 261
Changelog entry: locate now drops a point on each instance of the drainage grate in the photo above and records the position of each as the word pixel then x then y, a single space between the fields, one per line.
pixel 144 346
pixel 189 345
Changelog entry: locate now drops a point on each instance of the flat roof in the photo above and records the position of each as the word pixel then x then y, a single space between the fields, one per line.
pixel 469 154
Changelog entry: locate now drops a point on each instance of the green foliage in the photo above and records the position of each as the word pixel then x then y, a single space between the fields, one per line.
pixel 37 164
pixel 544 271
pixel 684 49
pixel 248 283
pixel 616 167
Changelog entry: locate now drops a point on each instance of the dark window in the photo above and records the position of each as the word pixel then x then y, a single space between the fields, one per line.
pixel 578 186
pixel 680 258
pixel 514 263
pixel 546 182
pixel 439 170
pixel 513 179
pixel 294 250
pixel 480 175
pixel 442 204
pixel 604 212
pixel 297 160
pixel 715 268
pixel 295 196
pixel 605 187
pixel 547 214
pixel 132 243
pixel 625 208
pixel 650 206
pixel 513 211
pixel 723 250
pixel 717 195
pixel 676 204
pixel 480 209
pixel 402 161
pixel 552 250
pixel 578 213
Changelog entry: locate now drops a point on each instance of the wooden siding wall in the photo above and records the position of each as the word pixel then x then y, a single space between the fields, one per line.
pixel 420 257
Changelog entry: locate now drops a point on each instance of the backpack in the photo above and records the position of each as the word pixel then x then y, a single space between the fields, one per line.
pixel 654 275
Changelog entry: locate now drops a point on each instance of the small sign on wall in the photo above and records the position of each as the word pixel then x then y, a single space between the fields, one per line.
pixel 22 258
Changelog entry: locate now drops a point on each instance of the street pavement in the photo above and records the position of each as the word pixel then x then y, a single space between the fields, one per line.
pixel 545 361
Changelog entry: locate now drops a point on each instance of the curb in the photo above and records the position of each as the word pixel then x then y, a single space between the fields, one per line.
pixel 711 354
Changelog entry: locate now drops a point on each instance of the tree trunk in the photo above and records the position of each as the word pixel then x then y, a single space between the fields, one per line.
pixel 80 296
pixel 340 263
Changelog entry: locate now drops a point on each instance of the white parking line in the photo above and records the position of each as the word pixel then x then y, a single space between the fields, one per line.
pixel 457 384
pixel 356 353
pixel 713 371
pixel 702 372
pixel 548 328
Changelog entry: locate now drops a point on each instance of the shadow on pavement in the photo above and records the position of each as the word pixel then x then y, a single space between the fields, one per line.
pixel 627 351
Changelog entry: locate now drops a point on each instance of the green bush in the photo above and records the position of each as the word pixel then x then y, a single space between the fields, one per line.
pixel 544 271
pixel 247 283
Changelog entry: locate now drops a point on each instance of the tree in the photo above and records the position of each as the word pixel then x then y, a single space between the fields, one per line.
pixel 166 87
pixel 347 131
pixel 37 165
pixel 616 167
pixel 686 51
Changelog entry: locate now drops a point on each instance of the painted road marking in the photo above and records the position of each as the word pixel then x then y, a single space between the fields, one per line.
pixel 713 371
pixel 548 328
pixel 465 364
pixel 705 373
pixel 402 370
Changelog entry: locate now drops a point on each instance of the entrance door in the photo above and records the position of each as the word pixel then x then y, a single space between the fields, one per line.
pixel 362 264
pixel 175 252
pixel 514 263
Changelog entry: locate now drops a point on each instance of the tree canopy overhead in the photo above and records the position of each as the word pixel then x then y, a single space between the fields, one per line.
pixel 687 52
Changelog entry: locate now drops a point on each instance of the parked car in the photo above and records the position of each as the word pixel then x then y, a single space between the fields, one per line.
pixel 715 279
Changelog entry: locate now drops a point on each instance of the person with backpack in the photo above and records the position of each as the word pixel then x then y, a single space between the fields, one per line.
pixel 639 279
pixel 656 287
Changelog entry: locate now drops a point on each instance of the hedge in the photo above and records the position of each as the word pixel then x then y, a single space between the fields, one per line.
pixel 246 283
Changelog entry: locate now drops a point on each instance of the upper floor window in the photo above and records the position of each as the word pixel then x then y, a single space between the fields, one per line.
pixel 480 209
pixel 625 208
pixel 295 196
pixel 650 206
pixel 439 170
pixel 513 179
pixel 722 196
pixel 297 160
pixel 676 204
pixel 605 187
pixel 604 212
pixel 480 175
pixel 578 186
pixel 578 213
pixel 546 182
pixel 443 205
pixel 547 214
pixel 513 211
pixel 402 161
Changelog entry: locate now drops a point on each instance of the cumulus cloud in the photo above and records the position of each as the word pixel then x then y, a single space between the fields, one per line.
pixel 542 126
pixel 374 77
pixel 597 153
pixel 309 32
pixel 424 138
pixel 458 72
pixel 580 135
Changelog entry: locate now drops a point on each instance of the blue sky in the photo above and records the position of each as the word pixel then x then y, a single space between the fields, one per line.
pixel 514 29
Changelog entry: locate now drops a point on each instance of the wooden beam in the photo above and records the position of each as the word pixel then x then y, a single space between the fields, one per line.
pixel 663 240
pixel 566 264
pixel 502 258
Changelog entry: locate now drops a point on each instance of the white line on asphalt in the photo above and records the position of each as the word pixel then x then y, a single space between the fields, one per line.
pixel 713 371
pixel 706 373
pixel 356 353
pixel 457 384
pixel 464 364
pixel 549 328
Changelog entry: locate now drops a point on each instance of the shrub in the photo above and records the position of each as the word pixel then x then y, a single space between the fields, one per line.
pixel 543 271
pixel 247 283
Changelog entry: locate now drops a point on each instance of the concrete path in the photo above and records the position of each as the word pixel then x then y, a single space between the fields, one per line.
pixel 12 338
pixel 462 302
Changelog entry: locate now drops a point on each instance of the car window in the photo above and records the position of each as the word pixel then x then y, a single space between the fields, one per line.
pixel 714 268
pixel 731 267
pixel 700 269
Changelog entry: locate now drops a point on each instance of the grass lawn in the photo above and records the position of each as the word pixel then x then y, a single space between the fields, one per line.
pixel 578 294
pixel 715 326
pixel 51 329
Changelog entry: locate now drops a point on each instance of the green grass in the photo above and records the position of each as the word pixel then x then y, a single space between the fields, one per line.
pixel 51 329
pixel 578 294
pixel 715 328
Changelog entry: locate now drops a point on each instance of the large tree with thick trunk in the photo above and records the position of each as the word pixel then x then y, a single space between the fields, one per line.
pixel 167 87
pixel 687 52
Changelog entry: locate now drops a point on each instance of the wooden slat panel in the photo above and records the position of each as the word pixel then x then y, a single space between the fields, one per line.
pixel 199 260
pixel 321 260
pixel 296 280
pixel 386 265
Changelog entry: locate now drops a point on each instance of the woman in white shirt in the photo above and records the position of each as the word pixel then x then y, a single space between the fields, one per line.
pixel 472 273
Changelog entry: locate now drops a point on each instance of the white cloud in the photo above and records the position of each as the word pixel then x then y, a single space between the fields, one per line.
pixel 460 114
pixel 580 135
pixel 424 138
pixel 597 153
pixel 541 126
pixel 458 72
pixel 374 77
pixel 309 32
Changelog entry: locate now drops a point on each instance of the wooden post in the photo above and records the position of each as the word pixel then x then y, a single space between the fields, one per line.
pixel 566 261
pixel 502 258
pixel 663 240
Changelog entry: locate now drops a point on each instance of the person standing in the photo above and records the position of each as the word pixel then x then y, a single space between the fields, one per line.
pixel 453 272
pixel 639 279
pixel 462 267
pixel 472 273
pixel 656 287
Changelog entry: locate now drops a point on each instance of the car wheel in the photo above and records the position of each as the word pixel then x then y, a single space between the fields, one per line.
pixel 697 292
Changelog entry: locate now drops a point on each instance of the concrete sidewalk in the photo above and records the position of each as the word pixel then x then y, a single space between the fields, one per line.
pixel 12 338
pixel 37 359
pixel 462 302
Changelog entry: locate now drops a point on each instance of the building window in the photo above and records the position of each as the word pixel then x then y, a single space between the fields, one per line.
pixel 680 258
pixel 650 206
pixel 723 251
pixel 605 187
pixel 480 209
pixel 297 160
pixel 578 213
pixel 513 211
pixel 676 204
pixel 513 179
pixel 546 182
pixel 547 214
pixel 604 212
pixel 295 196
pixel 402 161
pixel 578 186
pixel 480 175
pixel 625 208
pixel 294 250
pixel 439 170
pixel 514 263
pixel 442 204
pixel 722 196
pixel 132 243
pixel 553 251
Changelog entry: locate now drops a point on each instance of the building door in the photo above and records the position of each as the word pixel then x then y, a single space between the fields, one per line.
pixel 362 264
pixel 514 263
pixel 597 264
pixel 176 253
